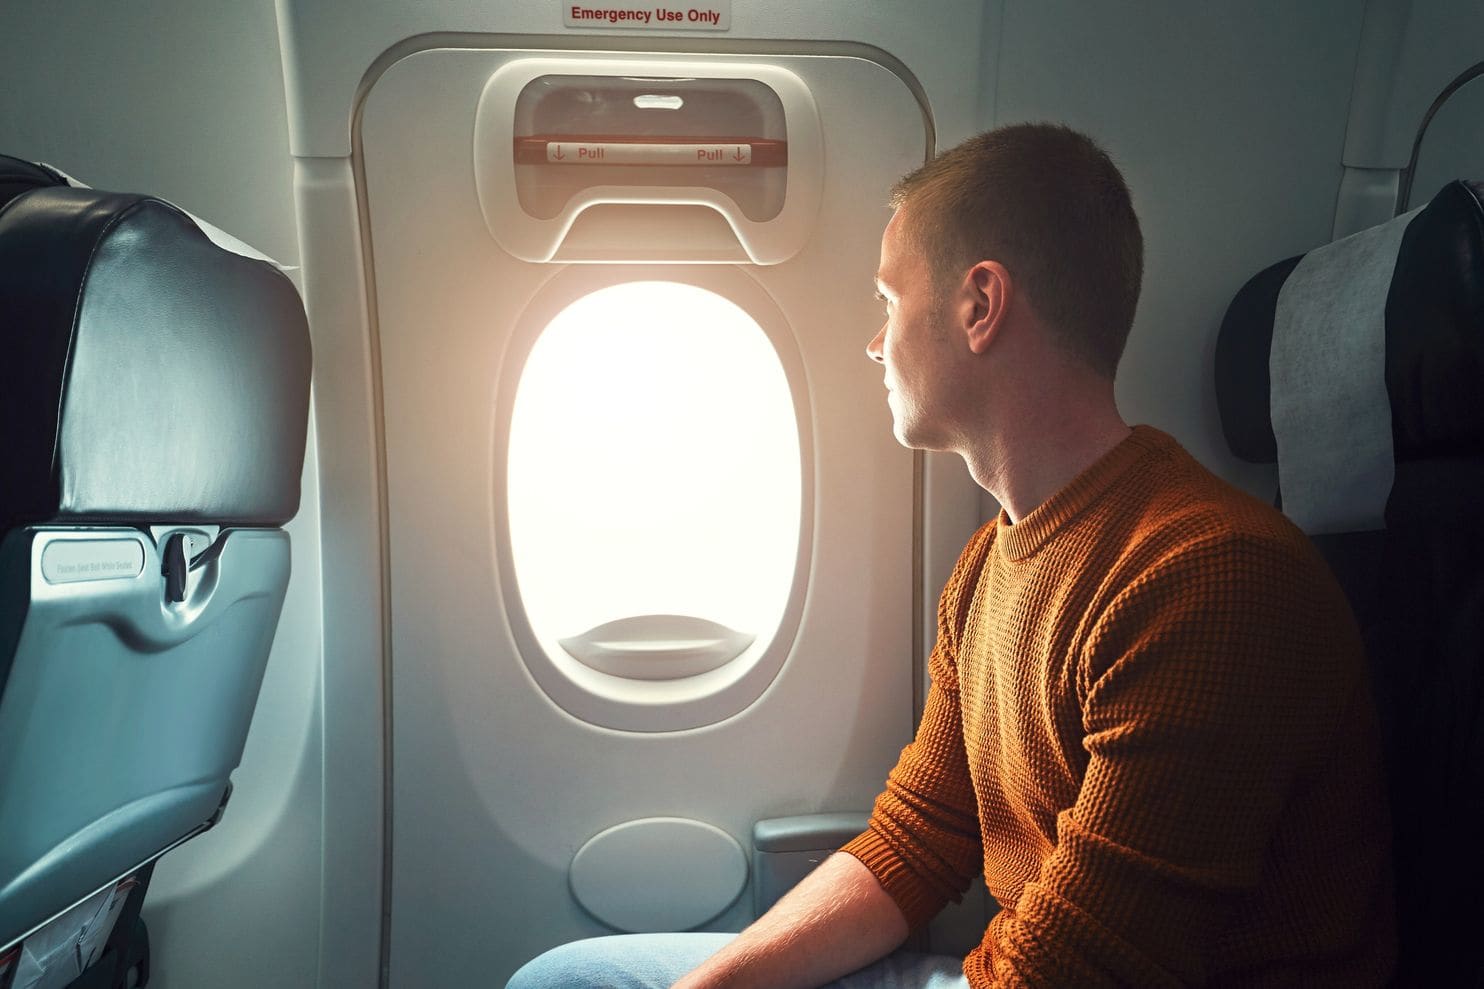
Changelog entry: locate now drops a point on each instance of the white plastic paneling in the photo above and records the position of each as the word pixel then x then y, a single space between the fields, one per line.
pixel 178 99
pixel 333 54
pixel 1453 146
pixel 533 238
pixel 354 726
pixel 1228 133
pixel 495 785
pixel 1408 52
pixel 331 47
pixel 625 876
pixel 1367 197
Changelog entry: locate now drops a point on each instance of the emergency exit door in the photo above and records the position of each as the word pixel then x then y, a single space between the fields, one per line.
pixel 650 536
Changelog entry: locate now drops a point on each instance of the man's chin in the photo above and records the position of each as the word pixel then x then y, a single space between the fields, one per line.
pixel 913 437
pixel 907 436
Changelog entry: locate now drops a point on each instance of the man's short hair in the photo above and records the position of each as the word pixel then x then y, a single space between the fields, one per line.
pixel 1048 204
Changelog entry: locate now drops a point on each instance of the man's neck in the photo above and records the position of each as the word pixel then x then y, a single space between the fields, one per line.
pixel 1023 467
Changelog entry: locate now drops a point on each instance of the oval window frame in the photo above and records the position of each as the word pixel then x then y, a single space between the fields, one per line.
pixel 598 698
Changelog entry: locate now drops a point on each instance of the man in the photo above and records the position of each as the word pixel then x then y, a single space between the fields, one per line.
pixel 1149 723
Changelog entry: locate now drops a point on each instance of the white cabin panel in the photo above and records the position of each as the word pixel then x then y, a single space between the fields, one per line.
pixel 498 779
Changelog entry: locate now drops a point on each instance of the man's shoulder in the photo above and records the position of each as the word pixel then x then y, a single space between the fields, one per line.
pixel 972 557
pixel 1191 509
pixel 1195 501
pixel 1206 560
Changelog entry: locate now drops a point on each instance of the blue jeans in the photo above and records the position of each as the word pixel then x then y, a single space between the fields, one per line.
pixel 656 961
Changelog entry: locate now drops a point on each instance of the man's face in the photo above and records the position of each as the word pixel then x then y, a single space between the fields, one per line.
pixel 914 345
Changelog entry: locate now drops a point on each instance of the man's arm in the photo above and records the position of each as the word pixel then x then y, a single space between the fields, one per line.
pixel 923 838
pixel 838 919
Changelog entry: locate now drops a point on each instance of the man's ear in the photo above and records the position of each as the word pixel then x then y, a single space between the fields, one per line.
pixel 987 294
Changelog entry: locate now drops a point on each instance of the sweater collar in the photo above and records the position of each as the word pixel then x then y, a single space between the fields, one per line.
pixel 1020 540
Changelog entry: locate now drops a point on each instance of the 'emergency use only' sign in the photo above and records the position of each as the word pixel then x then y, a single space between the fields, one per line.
pixel 649 15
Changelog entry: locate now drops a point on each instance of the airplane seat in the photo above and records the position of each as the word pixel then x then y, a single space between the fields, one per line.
pixel 154 393
pixel 1358 369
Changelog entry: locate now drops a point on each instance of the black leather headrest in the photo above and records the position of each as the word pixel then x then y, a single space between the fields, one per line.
pixel 147 376
pixel 18 176
pixel 1434 339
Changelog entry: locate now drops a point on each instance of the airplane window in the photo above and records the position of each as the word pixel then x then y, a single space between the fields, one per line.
pixel 653 482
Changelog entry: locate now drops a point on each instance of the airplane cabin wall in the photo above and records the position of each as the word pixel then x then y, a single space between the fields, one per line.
pixel 1248 133
pixel 1227 120
pixel 1238 127
pixel 333 61
pixel 1453 145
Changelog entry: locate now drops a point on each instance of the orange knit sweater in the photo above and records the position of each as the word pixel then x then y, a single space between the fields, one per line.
pixel 1150 726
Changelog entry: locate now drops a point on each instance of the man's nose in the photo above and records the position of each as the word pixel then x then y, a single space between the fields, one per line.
pixel 873 349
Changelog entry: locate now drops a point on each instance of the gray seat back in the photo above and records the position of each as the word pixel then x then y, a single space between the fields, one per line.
pixel 153 407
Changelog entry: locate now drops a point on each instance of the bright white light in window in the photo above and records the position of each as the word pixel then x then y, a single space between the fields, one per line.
pixel 654 465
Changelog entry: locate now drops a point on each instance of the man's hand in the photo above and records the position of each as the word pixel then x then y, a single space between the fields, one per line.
pixel 837 920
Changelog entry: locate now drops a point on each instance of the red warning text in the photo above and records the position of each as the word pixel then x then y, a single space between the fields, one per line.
pixel 637 14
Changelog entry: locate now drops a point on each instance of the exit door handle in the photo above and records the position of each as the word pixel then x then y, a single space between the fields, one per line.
pixel 629 149
pixel 657 647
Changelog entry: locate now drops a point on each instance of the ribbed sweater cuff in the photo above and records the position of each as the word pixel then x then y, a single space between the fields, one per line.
pixel 914 897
